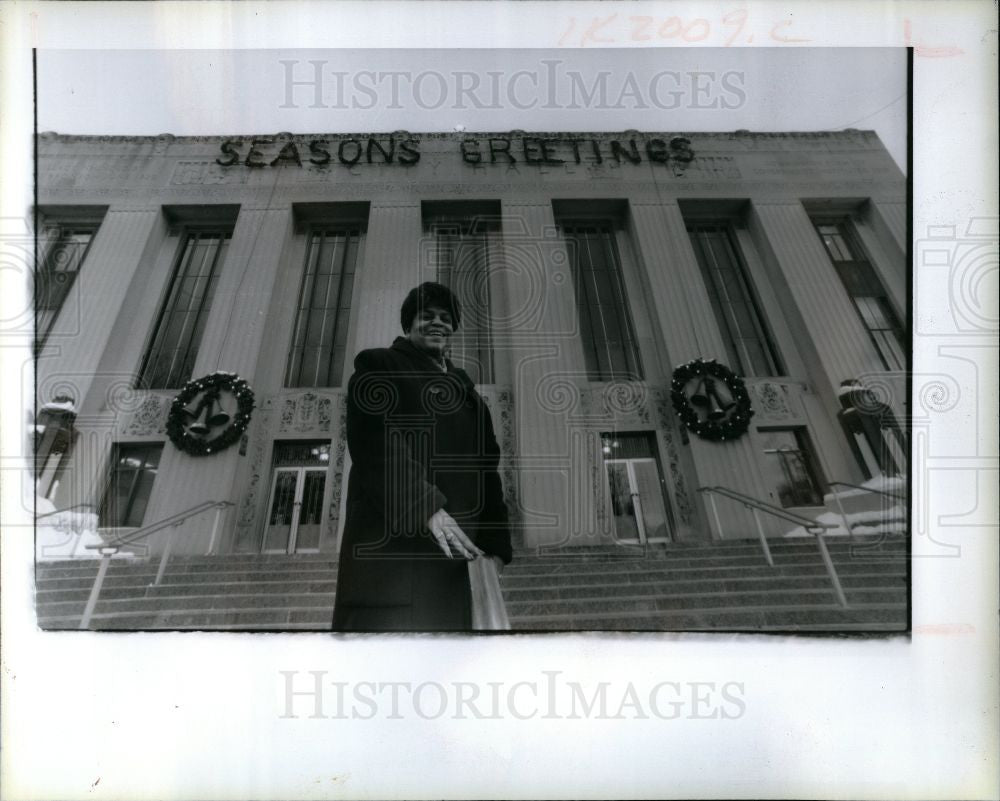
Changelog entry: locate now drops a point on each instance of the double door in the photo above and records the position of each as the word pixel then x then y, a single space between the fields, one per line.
pixel 637 500
pixel 295 510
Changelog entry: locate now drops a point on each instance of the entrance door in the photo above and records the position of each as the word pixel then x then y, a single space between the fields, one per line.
pixel 295 508
pixel 295 513
pixel 637 500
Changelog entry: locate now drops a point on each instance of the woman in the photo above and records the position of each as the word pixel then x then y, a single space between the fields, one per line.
pixel 424 495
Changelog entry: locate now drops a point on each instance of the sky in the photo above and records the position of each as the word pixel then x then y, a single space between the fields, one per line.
pixel 209 92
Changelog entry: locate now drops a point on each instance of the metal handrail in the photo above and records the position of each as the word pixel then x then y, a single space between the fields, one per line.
pixel 109 549
pixel 60 511
pixel 814 527
pixel 152 528
pixel 840 504
pixel 866 489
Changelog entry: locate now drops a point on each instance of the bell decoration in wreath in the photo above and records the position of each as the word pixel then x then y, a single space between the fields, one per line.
pixel 711 400
pixel 210 413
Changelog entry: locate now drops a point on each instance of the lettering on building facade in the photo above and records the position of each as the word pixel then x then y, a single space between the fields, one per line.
pixel 545 151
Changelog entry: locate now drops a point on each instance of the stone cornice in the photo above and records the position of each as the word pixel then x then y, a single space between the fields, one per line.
pixel 848 135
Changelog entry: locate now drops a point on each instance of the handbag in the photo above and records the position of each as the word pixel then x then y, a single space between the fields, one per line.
pixel 489 613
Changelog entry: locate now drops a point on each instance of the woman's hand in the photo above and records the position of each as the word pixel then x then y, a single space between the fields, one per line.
pixel 450 537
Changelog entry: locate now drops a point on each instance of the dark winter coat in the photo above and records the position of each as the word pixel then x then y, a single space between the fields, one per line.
pixel 420 440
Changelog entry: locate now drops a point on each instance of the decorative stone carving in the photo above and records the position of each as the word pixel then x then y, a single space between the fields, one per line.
pixel 771 400
pixel 306 413
pixel 501 405
pixel 667 428
pixel 715 167
pixel 187 173
pixel 337 470
pixel 250 504
pixel 150 419
pixel 615 404
pixel 626 399
pixel 777 401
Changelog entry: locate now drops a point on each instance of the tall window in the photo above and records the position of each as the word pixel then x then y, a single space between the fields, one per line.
pixel 606 328
pixel 133 471
pixel 57 273
pixel 870 299
pixel 749 349
pixel 319 341
pixel 462 253
pixel 174 348
pixel 790 467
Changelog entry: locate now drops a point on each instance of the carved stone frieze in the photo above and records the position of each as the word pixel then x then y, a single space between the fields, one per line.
pixel 149 419
pixel 339 449
pixel 667 430
pixel 776 401
pixel 500 402
pixel 187 173
pixel 306 413
pixel 251 504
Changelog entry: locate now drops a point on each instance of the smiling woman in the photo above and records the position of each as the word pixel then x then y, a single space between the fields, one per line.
pixel 424 497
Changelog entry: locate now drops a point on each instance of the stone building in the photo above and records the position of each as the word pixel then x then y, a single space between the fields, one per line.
pixel 591 267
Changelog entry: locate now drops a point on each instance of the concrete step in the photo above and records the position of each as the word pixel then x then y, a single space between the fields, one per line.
pixel 553 567
pixel 150 566
pixel 234 558
pixel 681 588
pixel 714 549
pixel 282 619
pixel 139 580
pixel 654 602
pixel 875 617
pixel 188 602
pixel 677 587
pixel 567 576
pixel 552 573
pixel 656 582
pixel 166 591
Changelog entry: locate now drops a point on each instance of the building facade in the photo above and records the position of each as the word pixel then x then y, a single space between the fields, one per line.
pixel 591 267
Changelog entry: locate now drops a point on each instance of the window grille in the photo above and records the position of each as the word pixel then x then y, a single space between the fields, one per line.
pixel 867 293
pixel 170 359
pixel 749 349
pixel 606 327
pixel 57 274
pixel 463 253
pixel 319 339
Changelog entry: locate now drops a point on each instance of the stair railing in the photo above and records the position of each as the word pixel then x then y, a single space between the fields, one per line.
pixel 840 505
pixel 67 509
pixel 814 527
pixel 109 549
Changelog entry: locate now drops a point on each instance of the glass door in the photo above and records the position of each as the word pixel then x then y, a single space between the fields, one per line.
pixel 636 487
pixel 295 508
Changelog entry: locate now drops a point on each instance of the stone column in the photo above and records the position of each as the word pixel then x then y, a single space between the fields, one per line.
pixel 682 315
pixel 540 333
pixel 838 336
pixel 231 342
pixel 891 215
pixel 884 237
pixel 392 267
pixel 72 354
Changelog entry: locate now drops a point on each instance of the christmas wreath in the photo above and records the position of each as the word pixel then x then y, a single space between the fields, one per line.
pixel 706 411
pixel 189 428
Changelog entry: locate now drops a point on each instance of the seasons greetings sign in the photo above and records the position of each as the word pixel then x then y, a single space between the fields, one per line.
pixel 405 151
